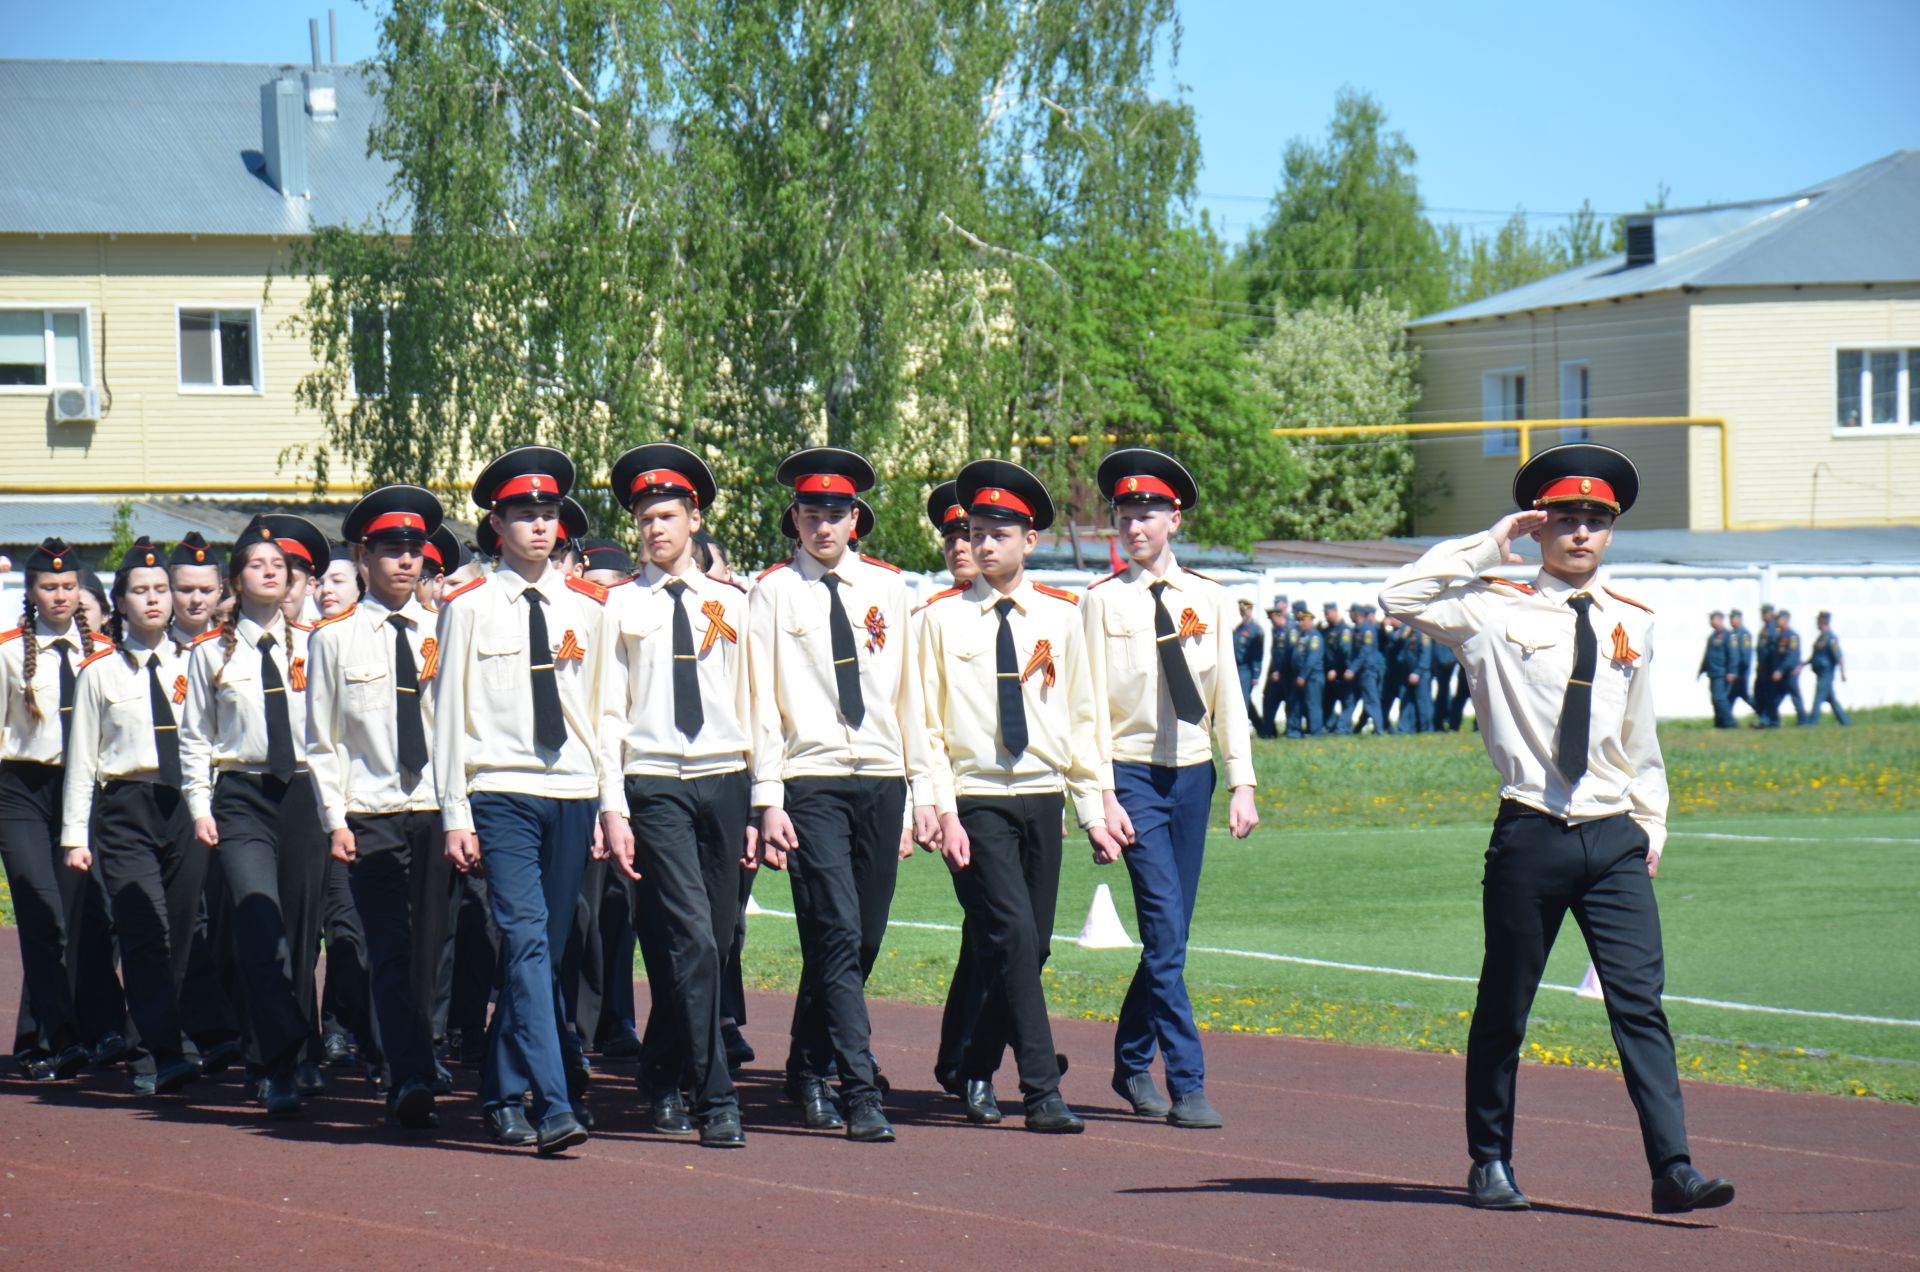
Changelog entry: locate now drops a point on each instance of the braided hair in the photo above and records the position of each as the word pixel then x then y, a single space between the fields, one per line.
pixel 30 645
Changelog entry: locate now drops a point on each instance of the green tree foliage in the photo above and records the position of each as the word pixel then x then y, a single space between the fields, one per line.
pixel 1335 363
pixel 121 530
pixel 1515 254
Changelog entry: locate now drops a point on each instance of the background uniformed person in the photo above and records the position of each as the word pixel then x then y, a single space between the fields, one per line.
pixel 1308 665
pixel 1449 688
pixel 1249 651
pixel 1277 687
pixel 1336 647
pixel 1787 661
pixel 1825 661
pixel 1410 688
pixel 1766 690
pixel 1741 641
pixel 1560 671
pixel 1716 664
pixel 1369 672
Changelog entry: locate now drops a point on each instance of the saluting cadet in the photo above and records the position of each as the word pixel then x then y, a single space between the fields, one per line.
pixel 252 798
pixel 1012 719
pixel 1741 641
pixel 1336 645
pixel 524 653
pixel 1277 688
pixel 1162 697
pixel 125 737
pixel 1826 660
pixel 836 758
pixel 1766 687
pixel 371 669
pixel 60 913
pixel 1309 673
pixel 677 736
pixel 1560 675
pixel 1716 664
pixel 1787 661
pixel 1370 669
pixel 1249 651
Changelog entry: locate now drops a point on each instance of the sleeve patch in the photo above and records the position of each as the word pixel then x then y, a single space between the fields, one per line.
pixel 463 589
pixel 1627 599
pixel 885 565
pixel 588 588
pixel 1057 594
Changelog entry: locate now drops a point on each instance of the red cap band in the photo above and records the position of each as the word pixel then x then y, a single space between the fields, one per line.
pixel 994 497
pixel 432 553
pixel 1577 490
pixel 824 484
pixel 293 548
pixel 953 514
pixel 396 521
pixel 1145 485
pixel 527 484
pixel 662 477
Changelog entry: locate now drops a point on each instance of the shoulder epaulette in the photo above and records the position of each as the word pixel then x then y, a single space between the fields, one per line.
pixel 12 635
pixel 205 636
pixel 778 565
pixel 1527 588
pixel 1110 578
pixel 299 626
pixel 93 658
pixel 1627 599
pixel 463 589
pixel 1196 574
pixel 337 617
pixel 717 579
pixel 587 587
pixel 1058 594
pixel 885 565
pixel 938 596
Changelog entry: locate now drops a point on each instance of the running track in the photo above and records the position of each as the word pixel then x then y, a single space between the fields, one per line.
pixel 1333 1157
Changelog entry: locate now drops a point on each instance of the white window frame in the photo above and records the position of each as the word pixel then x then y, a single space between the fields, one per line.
pixel 85 310
pixel 1573 404
pixel 1904 421
pixel 1500 443
pixel 259 386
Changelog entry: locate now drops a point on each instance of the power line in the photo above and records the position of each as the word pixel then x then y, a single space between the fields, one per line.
pixel 1502 212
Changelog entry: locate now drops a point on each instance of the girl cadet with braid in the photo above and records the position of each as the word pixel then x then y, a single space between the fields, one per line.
pixel 125 738
pixel 38 663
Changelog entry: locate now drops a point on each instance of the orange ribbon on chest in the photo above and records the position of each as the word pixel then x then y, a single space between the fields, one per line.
pixel 1622 651
pixel 718 628
pixel 1041 661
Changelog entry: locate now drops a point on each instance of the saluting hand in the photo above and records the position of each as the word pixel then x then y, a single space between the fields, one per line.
pixel 340 844
pixel 1511 527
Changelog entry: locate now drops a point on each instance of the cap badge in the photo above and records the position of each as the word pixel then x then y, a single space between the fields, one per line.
pixel 265 533
pixel 56 563
pixel 994 495
pixel 535 481
pixel 199 554
pixel 149 558
pixel 1586 485
pixel 826 482
pixel 1133 483
pixel 646 479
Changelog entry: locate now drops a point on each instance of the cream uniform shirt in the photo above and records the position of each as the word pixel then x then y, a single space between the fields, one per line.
pixel 1516 642
pixel 23 737
pixel 638 735
pixel 353 729
pixel 959 633
pixel 483 721
pixel 113 724
pixel 798 728
pixel 224 726
pixel 1134 705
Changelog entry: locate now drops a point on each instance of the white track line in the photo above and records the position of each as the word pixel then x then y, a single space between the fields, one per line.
pixel 1410 973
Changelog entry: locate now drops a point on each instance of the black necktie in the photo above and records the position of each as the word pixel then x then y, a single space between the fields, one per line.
pixel 1173 663
pixel 688 714
pixel 406 701
pixel 166 737
pixel 280 761
pixel 1576 713
pixel 66 691
pixel 549 725
pixel 1006 666
pixel 846 664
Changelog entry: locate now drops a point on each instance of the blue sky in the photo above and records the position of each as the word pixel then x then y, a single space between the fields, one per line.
pixel 1538 105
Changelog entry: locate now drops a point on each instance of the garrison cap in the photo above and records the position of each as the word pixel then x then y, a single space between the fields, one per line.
pixel 605 554
pixel 440 548
pixel 1137 475
pixel 1001 490
pixel 141 553
pixel 944 509
pixel 862 521
pixel 662 469
pixel 393 513
pixel 827 475
pixel 1580 472
pixel 53 556
pixel 191 550
pixel 306 548
pixel 537 473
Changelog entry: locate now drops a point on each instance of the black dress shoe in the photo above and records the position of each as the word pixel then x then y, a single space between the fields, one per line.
pixel 283 1097
pixel 620 1047
pixel 1490 1186
pixel 216 1058
pixel 442 1080
pixel 308 1080
pixel 669 1116
pixel 559 1132
pixel 1138 1090
pixel 579 1074
pixel 58 1067
pixel 739 1052
pixel 722 1130
pixel 867 1124
pixel 378 1078
pixel 1682 1188
pixel 412 1105
pixel 173 1075
pixel 982 1108
pixel 1052 1117
pixel 111 1049
pixel 818 1109
pixel 508 1124
pixel 335 1050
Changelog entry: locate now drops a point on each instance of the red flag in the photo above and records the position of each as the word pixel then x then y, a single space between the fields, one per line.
pixel 1113 554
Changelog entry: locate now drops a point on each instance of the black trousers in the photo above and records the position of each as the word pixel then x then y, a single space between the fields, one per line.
pixel 1009 890
pixel 155 872
pixel 1539 868
pixel 843 875
pixel 401 885
pixel 275 860
pixel 967 996
pixel 615 1017
pixel 69 991
pixel 733 985
pixel 469 970
pixel 687 837
pixel 583 964
pixel 346 998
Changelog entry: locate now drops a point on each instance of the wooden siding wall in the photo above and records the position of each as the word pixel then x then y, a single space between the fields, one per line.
pixel 1637 354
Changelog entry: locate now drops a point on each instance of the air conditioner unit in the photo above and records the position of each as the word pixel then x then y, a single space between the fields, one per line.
pixel 76 406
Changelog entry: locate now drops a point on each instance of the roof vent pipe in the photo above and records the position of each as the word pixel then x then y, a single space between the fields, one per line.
pixel 322 101
pixel 333 37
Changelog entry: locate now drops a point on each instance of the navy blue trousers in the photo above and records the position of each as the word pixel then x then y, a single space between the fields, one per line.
pixel 1168 807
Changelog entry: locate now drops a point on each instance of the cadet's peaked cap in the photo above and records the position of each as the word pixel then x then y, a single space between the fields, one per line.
pixel 574 521
pixel 440 553
pixel 191 550
pixel 825 475
pixel 662 469
pixel 300 539
pixel 1000 490
pixel 862 521
pixel 573 524
pixel 1577 473
pixel 393 512
pixel 1141 476
pixel 605 554
pixel 538 473
pixel 53 556
pixel 945 510
pixel 142 552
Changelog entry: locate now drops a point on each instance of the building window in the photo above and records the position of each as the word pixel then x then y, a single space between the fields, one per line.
pixel 44 348
pixel 1503 396
pixel 1576 399
pixel 220 350
pixel 1877 389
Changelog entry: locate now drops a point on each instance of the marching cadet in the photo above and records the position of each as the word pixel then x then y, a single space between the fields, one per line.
pixel 1011 715
pixel 1249 651
pixel 195 582
pixel 338 586
pixel 836 758
pixel 1370 669
pixel 1826 660
pixel 1787 662
pixel 252 799
pixel 371 668
pixel 1162 697
pixel 1277 689
pixel 1337 646
pixel 61 914
pixel 1308 665
pixel 524 653
pixel 125 738
pixel 1741 641
pixel 1766 694
pixel 439 554
pixel 678 721
pixel 1559 669
pixel 1716 664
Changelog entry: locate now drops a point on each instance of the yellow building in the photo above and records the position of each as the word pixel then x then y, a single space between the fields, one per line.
pixel 1795 319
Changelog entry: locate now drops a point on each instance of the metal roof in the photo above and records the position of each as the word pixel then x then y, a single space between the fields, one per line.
pixel 174 148
pixel 1860 227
